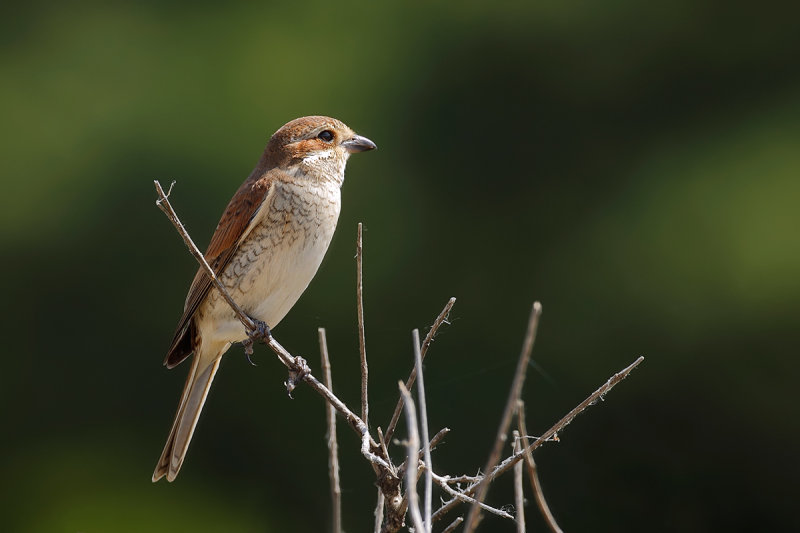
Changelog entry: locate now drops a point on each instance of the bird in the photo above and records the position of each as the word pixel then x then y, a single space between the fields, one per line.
pixel 265 250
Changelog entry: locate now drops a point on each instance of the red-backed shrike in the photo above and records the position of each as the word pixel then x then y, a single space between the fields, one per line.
pixel 266 248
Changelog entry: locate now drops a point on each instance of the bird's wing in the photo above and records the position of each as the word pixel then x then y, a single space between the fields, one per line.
pixel 235 224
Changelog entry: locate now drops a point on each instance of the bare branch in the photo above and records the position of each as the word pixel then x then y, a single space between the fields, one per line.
pixel 333 445
pixel 441 319
pixel 506 465
pixel 516 389
pixel 423 416
pixel 413 451
pixel 519 496
pixel 533 476
pixel 362 342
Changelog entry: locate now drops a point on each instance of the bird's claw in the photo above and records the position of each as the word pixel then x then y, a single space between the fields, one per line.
pixel 248 350
pixel 260 332
pixel 297 372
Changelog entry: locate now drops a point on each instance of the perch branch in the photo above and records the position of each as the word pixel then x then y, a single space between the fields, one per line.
pixel 166 207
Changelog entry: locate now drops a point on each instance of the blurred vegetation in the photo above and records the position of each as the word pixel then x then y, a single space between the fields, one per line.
pixel 633 166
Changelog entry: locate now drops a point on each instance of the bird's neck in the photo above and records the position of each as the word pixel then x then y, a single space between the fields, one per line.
pixel 323 167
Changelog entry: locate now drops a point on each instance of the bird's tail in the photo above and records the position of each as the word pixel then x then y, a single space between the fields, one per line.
pixel 204 366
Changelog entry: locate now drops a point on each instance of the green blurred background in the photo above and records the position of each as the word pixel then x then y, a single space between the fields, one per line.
pixel 633 166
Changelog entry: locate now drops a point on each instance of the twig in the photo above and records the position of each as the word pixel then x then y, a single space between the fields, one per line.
pixel 516 389
pixel 423 420
pixel 453 525
pixel 444 482
pixel 413 450
pixel 464 479
pixel 382 443
pixel 506 465
pixel 438 438
pixel 333 445
pixel 569 417
pixel 433 444
pixel 362 342
pixel 441 319
pixel 519 497
pixel 533 476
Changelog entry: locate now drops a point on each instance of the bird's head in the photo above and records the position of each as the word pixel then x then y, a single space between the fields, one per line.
pixel 317 146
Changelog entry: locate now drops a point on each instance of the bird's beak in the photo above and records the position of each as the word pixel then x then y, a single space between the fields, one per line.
pixel 358 144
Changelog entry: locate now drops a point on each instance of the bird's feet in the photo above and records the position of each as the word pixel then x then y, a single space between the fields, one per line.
pixel 297 372
pixel 260 332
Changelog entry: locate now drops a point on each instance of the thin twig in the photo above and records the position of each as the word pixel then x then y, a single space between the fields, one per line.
pixel 533 475
pixel 519 496
pixel 453 525
pixel 362 342
pixel 438 438
pixel 413 450
pixel 507 464
pixel 458 495
pixel 441 319
pixel 382 443
pixel 432 445
pixel 423 421
pixel 516 389
pixel 333 445
pixel 464 479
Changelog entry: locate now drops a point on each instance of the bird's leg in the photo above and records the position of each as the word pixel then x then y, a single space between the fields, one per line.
pixel 260 332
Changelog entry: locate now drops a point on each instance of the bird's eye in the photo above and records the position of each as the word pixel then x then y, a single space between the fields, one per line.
pixel 326 135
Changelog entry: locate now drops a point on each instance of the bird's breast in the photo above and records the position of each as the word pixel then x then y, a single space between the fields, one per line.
pixel 277 259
